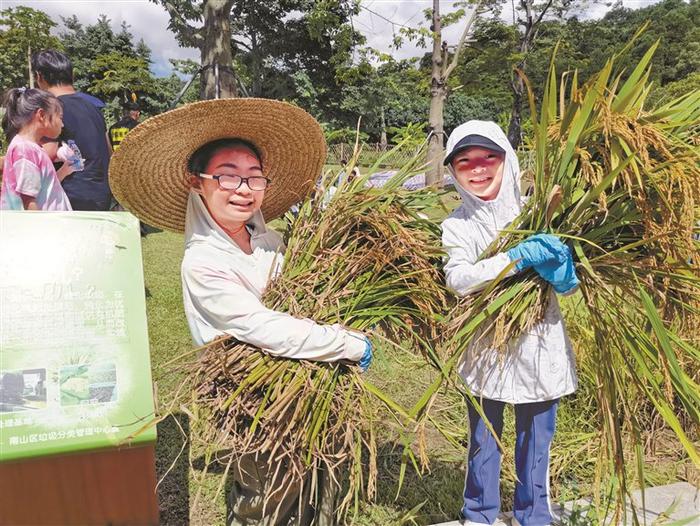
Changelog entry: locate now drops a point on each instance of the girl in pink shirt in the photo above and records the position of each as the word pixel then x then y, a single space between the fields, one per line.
pixel 29 180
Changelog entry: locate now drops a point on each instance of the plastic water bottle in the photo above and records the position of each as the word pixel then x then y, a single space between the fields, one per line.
pixel 74 157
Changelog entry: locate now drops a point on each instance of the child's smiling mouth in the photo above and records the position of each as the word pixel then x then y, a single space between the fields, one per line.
pixel 480 180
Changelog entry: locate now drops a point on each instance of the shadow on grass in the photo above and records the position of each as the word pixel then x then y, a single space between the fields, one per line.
pixel 433 497
pixel 245 501
pixel 216 466
pixel 172 470
pixel 436 495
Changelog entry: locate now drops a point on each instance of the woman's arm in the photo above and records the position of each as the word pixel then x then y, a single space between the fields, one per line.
pixel 229 307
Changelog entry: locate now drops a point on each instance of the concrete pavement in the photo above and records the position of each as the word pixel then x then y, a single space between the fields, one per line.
pixel 669 503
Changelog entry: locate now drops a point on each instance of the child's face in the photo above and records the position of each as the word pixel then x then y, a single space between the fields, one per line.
pixel 479 171
pixel 51 122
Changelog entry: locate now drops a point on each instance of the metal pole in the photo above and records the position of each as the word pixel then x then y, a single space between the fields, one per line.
pixel 184 89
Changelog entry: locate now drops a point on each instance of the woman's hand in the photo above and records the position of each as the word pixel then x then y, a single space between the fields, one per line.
pixel 358 349
pixel 367 357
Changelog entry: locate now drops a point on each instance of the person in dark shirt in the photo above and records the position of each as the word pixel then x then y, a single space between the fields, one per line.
pixel 92 100
pixel 128 122
pixel 87 189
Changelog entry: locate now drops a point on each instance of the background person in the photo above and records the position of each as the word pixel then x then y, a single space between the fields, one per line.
pixel 242 161
pixel 129 121
pixel 87 189
pixel 29 180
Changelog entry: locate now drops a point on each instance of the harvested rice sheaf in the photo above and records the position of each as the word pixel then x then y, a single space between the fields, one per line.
pixel 368 261
pixel 630 183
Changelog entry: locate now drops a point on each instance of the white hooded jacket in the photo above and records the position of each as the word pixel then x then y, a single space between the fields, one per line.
pixel 540 364
pixel 223 286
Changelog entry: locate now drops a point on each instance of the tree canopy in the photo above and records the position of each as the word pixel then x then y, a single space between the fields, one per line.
pixel 23 30
pixel 310 53
pixel 107 63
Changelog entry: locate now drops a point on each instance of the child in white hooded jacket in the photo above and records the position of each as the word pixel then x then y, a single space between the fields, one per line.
pixel 536 370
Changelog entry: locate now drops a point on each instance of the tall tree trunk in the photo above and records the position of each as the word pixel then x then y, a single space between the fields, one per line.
pixel 382 139
pixel 436 151
pixel 216 50
pixel 256 67
pixel 517 84
pixel 29 66
pixel 530 23
pixel 515 125
pixel 438 93
pixel 518 87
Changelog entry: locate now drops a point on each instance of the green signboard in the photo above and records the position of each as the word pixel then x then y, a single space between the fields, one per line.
pixel 75 372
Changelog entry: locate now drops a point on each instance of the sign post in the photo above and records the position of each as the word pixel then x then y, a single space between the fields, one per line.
pixel 76 401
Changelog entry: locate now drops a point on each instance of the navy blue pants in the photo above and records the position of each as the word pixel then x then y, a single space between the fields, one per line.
pixel 534 428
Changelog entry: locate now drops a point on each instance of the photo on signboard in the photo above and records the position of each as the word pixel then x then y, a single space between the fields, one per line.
pixel 22 390
pixel 88 384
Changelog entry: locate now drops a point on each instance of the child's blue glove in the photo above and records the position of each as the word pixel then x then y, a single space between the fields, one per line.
pixel 562 276
pixel 367 357
pixel 537 250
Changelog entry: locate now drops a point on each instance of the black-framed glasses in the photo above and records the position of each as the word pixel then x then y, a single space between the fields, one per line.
pixel 234 182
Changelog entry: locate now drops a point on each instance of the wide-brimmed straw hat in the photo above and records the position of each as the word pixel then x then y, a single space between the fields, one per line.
pixel 149 176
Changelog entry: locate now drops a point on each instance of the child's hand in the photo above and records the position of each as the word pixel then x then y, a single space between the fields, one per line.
pixel 65 170
pixel 70 153
pixel 562 276
pixel 29 202
pixel 537 250
pixel 64 153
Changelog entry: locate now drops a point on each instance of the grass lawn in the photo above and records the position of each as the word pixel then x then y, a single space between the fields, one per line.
pixel 187 493
pixel 438 492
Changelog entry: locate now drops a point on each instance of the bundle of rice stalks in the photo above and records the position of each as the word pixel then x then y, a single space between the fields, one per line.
pixel 620 184
pixel 366 259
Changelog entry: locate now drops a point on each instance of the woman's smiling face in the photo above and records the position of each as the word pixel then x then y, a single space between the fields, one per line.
pixel 479 171
pixel 231 208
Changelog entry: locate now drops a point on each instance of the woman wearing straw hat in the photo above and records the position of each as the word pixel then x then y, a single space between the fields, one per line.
pixel 217 170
